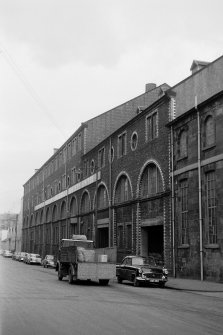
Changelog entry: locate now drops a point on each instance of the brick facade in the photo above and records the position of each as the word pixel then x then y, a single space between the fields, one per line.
pixel 189 251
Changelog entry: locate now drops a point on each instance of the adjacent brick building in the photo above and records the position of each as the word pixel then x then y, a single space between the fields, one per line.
pixel 197 157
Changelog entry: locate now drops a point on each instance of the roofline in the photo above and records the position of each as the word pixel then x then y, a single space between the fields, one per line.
pixel 128 101
pixel 144 111
pixel 194 74
pixel 200 105
pixel 84 125
pixel 198 62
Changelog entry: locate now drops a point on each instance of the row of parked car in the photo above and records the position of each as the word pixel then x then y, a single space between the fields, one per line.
pixel 28 258
pixel 136 269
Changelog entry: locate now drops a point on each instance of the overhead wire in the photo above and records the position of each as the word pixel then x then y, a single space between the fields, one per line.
pixel 29 88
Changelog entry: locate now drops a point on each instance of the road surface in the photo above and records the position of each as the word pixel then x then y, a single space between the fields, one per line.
pixel 34 302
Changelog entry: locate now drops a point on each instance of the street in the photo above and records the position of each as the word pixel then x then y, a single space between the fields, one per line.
pixel 34 302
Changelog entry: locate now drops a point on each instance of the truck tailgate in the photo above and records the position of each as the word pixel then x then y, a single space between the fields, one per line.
pixel 96 271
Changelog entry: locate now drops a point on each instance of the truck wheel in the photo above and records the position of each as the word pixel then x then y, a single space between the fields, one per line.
pixel 103 282
pixel 119 279
pixel 70 277
pixel 60 277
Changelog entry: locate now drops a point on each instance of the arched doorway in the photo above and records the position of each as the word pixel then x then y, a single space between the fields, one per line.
pixel 85 216
pixel 73 229
pixel 63 219
pixel 102 217
pixel 151 223
pixel 123 217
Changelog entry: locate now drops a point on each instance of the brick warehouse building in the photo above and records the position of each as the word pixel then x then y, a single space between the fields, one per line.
pixel 137 185
pixel 129 204
pixel 50 195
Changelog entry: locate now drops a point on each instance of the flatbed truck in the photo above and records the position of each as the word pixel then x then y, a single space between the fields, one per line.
pixel 79 260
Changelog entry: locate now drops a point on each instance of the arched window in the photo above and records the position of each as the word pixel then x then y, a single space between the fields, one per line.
pixel 102 198
pixel 63 210
pixel 209 131
pixel 31 221
pixel 151 182
pixel 85 203
pixel 41 217
pixel 183 144
pixel 37 218
pixel 123 191
pixel 48 215
pixel 73 207
pixel 54 215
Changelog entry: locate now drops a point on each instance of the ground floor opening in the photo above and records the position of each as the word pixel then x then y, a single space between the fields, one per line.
pixel 152 241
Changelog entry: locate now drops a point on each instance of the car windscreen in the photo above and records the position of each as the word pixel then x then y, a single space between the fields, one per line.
pixel 35 255
pixel 138 261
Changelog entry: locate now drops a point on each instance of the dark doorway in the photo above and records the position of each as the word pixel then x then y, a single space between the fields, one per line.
pixel 102 237
pixel 155 239
pixel 152 241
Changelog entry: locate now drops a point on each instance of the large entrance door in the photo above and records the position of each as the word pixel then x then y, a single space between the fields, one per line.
pixel 152 241
pixel 103 237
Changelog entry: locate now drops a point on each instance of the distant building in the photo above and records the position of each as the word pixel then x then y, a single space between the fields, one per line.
pixel 8 231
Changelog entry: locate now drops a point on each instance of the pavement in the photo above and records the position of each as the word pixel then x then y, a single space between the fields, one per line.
pixel 194 285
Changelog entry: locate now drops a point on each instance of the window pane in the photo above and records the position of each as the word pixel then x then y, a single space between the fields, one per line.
pixel 184 211
pixel 211 208
pixel 209 131
pixel 183 144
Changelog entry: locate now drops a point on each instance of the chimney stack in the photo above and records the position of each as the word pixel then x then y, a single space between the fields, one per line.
pixel 150 87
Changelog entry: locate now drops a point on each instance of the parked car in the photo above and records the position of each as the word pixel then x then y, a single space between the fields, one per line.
pixel 17 255
pixel 7 253
pixel 48 261
pixel 33 259
pixel 14 255
pixel 25 257
pixel 21 256
pixel 141 270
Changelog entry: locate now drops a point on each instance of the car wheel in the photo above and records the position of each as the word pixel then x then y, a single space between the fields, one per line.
pixel 60 277
pixel 119 279
pixel 136 282
pixel 161 285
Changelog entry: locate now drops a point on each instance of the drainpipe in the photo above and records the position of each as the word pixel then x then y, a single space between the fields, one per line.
pixel 110 200
pixel 199 189
pixel 173 206
pixel 67 198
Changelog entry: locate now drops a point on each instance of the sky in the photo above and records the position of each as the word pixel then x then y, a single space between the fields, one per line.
pixel 63 62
